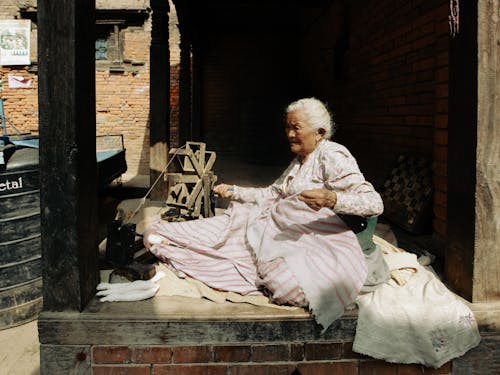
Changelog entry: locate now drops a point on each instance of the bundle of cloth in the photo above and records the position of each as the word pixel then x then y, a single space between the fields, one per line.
pixel 413 317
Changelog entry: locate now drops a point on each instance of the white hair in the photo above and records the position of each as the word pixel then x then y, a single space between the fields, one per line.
pixel 316 112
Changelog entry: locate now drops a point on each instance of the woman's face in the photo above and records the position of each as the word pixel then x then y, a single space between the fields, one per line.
pixel 302 137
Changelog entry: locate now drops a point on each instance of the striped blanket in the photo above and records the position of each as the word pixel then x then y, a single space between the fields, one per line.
pixel 301 256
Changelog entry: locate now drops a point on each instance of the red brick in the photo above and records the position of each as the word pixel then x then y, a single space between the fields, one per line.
pixel 426 98
pixel 441 121
pixel 267 369
pixel 442 58
pixel 425 75
pixel 410 369
pixel 440 168
pixel 329 368
pixel 262 353
pixel 440 198
pixel 122 370
pixel 423 64
pixel 444 369
pixel 296 352
pixel 425 120
pixel 439 226
pixel 440 183
pixel 377 368
pixel 189 369
pixel 111 354
pixel 317 351
pixel 191 354
pixel 348 353
pixel 152 354
pixel 442 90
pixel 441 137
pixel 442 105
pixel 440 153
pixel 232 353
pixel 442 75
pixel 422 370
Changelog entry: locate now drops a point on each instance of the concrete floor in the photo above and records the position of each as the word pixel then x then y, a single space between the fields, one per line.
pixel 19 350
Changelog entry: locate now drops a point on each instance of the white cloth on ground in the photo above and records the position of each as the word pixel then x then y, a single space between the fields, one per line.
pixel 418 322
pixel 130 291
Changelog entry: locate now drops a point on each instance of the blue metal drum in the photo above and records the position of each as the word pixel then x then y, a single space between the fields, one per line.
pixel 20 250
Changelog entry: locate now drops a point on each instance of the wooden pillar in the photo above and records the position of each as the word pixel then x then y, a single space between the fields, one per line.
pixel 472 260
pixel 68 168
pixel 159 127
pixel 487 212
pixel 185 130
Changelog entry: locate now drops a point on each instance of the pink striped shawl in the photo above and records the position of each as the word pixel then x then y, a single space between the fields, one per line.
pixel 322 253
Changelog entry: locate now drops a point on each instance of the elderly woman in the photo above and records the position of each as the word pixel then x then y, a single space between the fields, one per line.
pixel 287 240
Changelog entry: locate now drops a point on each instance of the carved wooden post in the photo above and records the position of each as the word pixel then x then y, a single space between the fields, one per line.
pixel 68 170
pixel 159 127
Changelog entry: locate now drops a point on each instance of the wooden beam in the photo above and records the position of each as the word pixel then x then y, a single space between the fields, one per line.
pixel 159 129
pixel 68 168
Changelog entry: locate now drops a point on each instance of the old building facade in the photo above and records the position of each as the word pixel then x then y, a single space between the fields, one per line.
pixel 122 75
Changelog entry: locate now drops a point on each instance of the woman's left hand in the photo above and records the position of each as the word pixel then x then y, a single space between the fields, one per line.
pixel 318 198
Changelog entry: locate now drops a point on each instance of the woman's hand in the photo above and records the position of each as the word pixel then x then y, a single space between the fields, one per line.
pixel 146 238
pixel 319 198
pixel 151 238
pixel 225 191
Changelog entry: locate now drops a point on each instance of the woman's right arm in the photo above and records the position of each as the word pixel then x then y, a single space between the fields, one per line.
pixel 245 194
pixel 251 195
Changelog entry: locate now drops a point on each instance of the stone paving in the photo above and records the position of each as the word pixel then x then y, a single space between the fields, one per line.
pixel 19 350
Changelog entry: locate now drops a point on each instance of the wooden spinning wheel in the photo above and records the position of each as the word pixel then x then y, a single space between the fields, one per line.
pixel 190 187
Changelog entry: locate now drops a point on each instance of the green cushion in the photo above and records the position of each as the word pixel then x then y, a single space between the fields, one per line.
pixel 365 237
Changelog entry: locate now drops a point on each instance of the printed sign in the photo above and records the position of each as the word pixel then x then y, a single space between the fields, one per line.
pixel 15 42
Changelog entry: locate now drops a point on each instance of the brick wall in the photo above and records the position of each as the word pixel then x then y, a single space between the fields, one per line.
pixel 324 358
pixel 122 99
pixel 249 73
pixel 391 95
pixel 387 88
pixel 20 104
pixel 175 60
pixel 399 81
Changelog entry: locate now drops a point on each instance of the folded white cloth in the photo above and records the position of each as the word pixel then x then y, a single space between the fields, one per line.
pixel 130 291
pixel 420 321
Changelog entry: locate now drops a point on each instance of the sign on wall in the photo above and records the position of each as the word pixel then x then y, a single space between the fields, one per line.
pixel 15 42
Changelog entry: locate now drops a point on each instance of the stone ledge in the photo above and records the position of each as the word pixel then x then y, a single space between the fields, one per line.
pixel 182 320
pixel 488 317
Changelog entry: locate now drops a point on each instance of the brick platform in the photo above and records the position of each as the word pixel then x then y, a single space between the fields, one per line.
pixel 175 335
pixel 285 358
